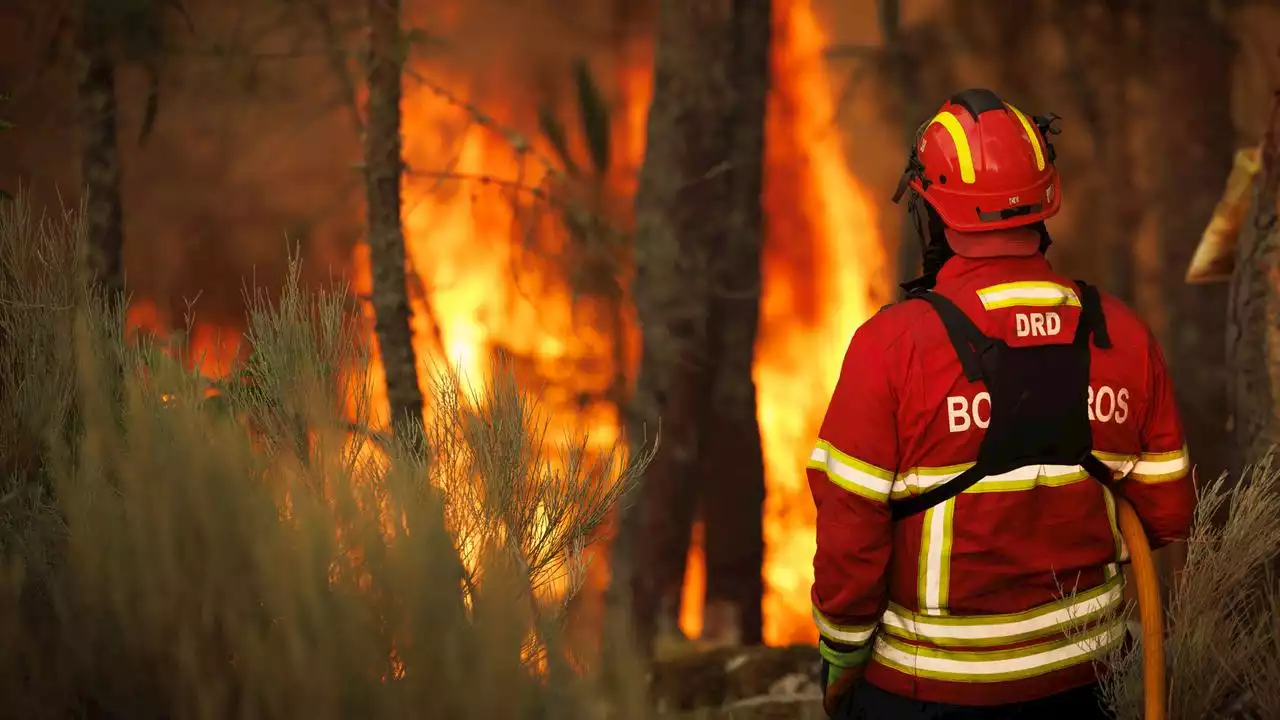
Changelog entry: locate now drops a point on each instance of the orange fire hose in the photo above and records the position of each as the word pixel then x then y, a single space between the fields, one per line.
pixel 1150 609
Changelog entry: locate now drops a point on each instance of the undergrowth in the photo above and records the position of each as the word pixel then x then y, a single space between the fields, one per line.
pixel 1222 644
pixel 176 547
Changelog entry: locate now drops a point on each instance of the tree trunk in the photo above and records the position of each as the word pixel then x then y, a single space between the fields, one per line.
pixel 382 195
pixel 731 458
pixel 100 172
pixel 1253 316
pixel 906 77
pixel 1100 59
pixel 681 212
pixel 1194 138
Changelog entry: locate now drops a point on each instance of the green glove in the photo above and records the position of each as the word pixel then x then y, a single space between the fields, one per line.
pixel 842 668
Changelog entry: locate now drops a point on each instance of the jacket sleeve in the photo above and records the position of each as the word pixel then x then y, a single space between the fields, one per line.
pixel 851 472
pixel 1160 486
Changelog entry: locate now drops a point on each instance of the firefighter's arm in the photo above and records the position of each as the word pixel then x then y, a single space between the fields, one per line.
pixel 1160 486
pixel 851 472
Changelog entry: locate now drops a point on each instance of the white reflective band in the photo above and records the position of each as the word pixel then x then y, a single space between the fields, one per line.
pixel 1004 629
pixel 1161 466
pixel 849 634
pixel 1120 463
pixel 918 480
pixel 850 473
pixel 934 582
pixel 1029 293
pixel 998 665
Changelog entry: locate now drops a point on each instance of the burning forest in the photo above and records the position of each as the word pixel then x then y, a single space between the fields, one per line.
pixel 498 335
pixel 493 272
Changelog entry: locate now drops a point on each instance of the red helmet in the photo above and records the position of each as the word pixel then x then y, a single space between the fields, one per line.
pixel 984 165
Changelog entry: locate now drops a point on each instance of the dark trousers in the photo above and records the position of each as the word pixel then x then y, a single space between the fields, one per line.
pixel 869 702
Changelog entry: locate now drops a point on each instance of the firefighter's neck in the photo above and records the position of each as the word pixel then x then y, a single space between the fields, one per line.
pixel 1018 242
pixel 1017 250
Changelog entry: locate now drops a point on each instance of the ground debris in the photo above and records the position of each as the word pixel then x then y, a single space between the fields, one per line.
pixel 739 682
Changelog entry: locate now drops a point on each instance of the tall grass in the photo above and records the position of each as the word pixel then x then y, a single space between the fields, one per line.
pixel 171 547
pixel 1223 640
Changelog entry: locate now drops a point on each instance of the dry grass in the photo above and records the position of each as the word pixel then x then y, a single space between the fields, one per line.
pixel 166 554
pixel 1223 643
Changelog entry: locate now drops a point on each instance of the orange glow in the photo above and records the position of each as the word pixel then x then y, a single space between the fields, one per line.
pixel 815 296
pixel 211 349
pixel 693 596
pixel 493 271
pixel 823 266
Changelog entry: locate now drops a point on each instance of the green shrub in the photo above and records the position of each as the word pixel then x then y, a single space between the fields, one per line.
pixel 263 553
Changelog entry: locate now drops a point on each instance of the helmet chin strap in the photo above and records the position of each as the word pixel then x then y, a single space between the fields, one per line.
pixel 933 242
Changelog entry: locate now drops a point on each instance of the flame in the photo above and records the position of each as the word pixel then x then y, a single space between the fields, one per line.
pixel 463 235
pixel 815 296
pixel 210 349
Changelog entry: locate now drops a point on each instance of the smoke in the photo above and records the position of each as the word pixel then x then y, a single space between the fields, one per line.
pixel 255 147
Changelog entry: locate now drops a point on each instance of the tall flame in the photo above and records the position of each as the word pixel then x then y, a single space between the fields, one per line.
pixel 824 265
pixel 840 286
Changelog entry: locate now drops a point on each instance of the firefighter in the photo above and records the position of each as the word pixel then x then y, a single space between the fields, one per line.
pixel 968 559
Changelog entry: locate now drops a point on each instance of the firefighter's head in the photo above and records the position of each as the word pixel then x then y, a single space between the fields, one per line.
pixel 979 169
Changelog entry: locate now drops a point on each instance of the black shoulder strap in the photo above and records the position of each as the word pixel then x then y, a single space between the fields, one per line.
pixel 1093 322
pixel 1092 319
pixel 969 343
pixel 907 507
pixel 1097 469
pixel 968 340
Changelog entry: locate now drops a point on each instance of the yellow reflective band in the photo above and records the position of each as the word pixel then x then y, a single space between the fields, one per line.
pixel 1120 463
pixel 844 660
pixel 846 634
pixel 1122 550
pixel 1078 611
pixel 1031 293
pixel 917 480
pixel 850 473
pixel 1161 467
pixel 934 580
pixel 1031 135
pixel 964 156
pixel 1000 665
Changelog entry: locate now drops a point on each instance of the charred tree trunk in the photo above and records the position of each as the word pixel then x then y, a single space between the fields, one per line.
pixel 383 167
pixel 1253 316
pixel 100 172
pixel 1098 70
pixel 731 458
pixel 1191 58
pixel 686 207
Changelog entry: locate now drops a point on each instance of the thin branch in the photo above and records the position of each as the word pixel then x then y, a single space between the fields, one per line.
pixel 338 62
pixel 517 186
pixel 517 140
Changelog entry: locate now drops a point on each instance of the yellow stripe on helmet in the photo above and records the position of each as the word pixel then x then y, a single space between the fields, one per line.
pixel 963 154
pixel 1031 135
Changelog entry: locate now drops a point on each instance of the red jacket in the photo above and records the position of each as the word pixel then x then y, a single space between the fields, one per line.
pixel 971 602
